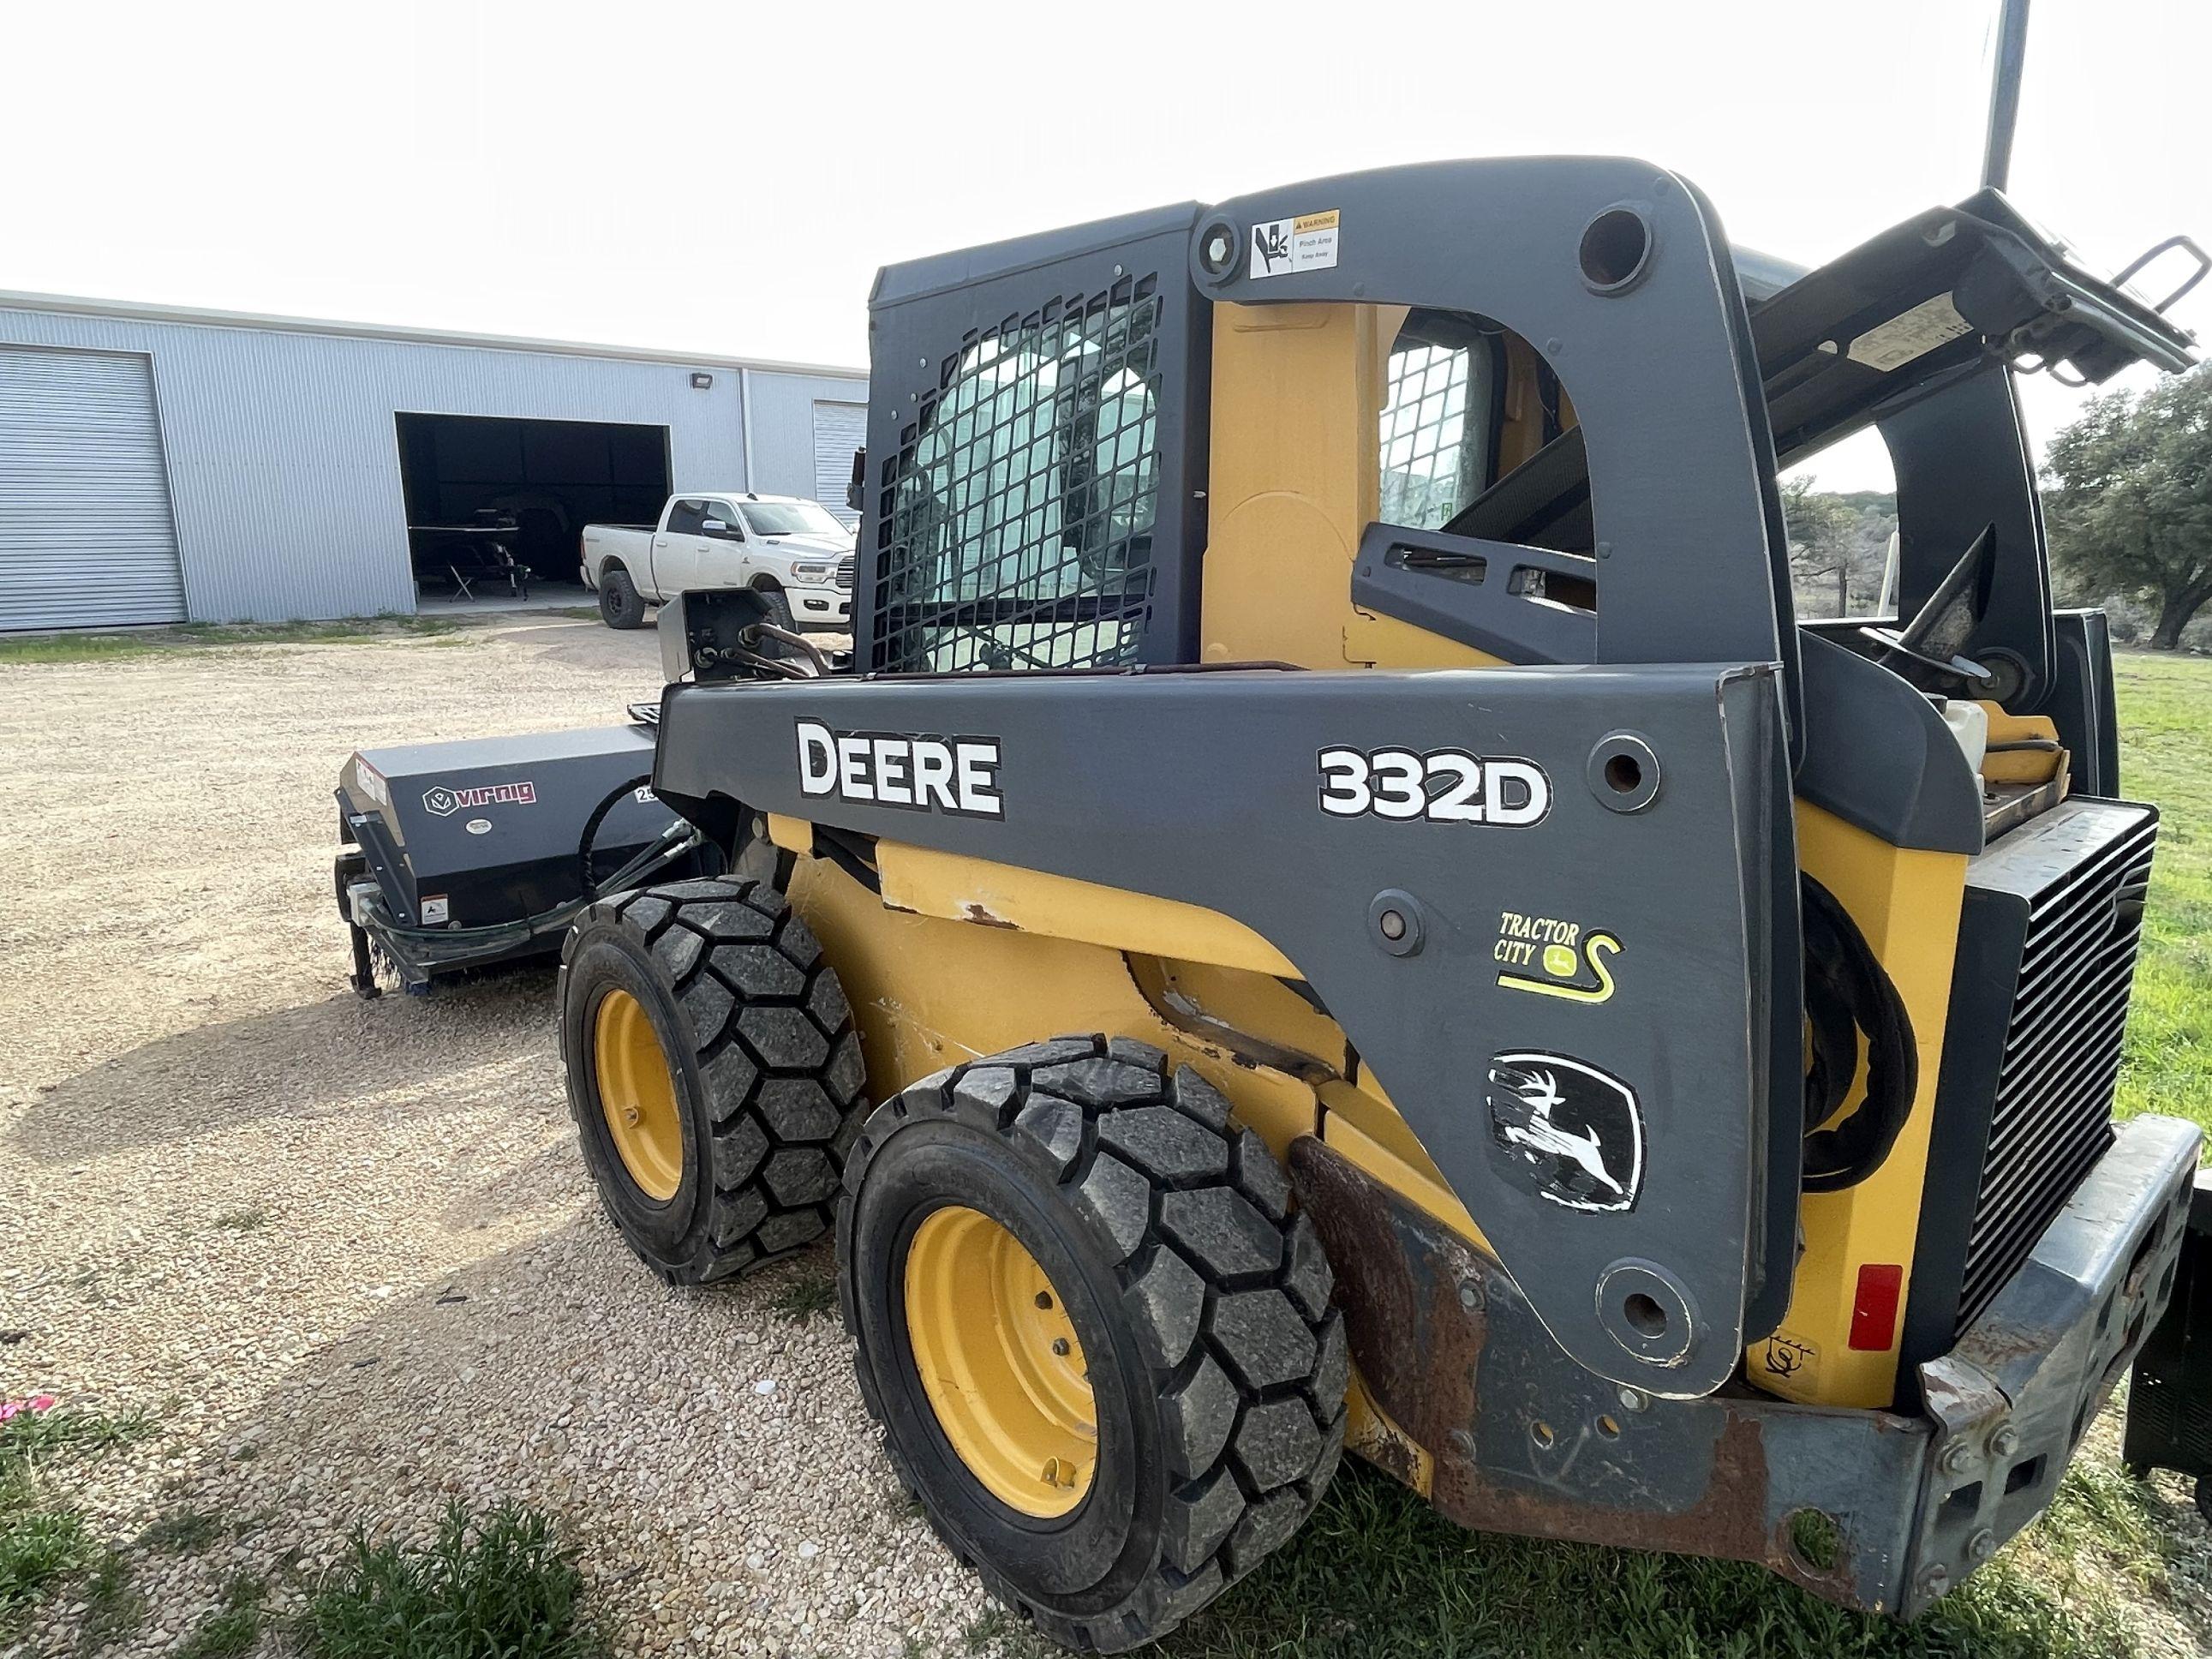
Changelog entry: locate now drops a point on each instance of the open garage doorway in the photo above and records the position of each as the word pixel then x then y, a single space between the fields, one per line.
pixel 481 489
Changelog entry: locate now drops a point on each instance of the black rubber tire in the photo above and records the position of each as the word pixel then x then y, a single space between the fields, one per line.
pixel 768 1069
pixel 620 605
pixel 779 608
pixel 1200 1300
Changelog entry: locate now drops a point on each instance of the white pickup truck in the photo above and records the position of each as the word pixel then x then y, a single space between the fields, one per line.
pixel 790 548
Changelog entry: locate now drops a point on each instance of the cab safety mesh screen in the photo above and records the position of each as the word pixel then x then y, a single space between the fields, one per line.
pixel 1019 528
pixel 1435 435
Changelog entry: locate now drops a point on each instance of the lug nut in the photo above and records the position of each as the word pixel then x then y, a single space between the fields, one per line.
pixel 1633 1399
pixel 1059 1346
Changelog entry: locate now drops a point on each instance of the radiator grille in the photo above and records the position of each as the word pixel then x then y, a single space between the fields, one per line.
pixel 845 572
pixel 2053 1114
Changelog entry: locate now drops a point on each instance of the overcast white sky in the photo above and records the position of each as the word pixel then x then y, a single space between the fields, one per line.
pixel 727 178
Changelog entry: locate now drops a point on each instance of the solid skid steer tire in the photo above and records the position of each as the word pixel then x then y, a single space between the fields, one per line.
pixel 1076 1217
pixel 713 1072
pixel 620 605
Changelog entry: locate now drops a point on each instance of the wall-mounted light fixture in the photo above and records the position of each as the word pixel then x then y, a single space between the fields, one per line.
pixel 701 382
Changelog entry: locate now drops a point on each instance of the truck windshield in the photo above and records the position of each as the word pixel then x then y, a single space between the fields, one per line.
pixel 789 519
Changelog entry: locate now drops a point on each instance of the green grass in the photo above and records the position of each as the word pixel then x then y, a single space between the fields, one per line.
pixel 42 1539
pixel 232 1629
pixel 1376 1574
pixel 2166 757
pixel 500 1587
pixel 183 1532
pixel 805 1292
pixel 39 1544
pixel 115 1608
pixel 30 1437
pixel 191 636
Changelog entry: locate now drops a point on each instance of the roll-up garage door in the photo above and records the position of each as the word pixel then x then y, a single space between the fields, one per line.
pixel 839 429
pixel 86 537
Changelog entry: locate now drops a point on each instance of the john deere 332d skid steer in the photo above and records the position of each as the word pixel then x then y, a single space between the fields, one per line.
pixel 1369 923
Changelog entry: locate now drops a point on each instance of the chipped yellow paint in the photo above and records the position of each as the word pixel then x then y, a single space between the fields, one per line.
pixel 962 888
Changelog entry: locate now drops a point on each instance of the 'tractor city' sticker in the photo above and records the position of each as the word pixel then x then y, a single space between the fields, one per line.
pixel 1551 957
pixel 1570 1133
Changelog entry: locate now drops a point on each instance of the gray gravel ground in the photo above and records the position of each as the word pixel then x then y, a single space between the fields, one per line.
pixel 345 1252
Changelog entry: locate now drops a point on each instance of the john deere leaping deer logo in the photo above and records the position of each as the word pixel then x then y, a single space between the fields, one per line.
pixel 1570 1133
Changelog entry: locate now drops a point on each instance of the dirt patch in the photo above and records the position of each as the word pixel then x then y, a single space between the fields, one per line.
pixel 345 1251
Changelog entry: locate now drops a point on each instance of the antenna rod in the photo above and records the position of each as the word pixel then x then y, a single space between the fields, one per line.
pixel 2004 95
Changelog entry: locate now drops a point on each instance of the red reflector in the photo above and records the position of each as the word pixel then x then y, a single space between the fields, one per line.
pixel 1873 1309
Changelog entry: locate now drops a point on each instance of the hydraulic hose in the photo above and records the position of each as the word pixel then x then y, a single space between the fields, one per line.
pixel 1847 993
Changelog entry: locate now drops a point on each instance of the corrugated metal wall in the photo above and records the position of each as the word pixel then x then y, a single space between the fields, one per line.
pixel 839 429
pixel 283 460
pixel 783 431
pixel 81 460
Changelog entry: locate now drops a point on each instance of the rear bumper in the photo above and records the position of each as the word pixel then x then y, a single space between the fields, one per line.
pixel 2010 1402
pixel 1882 1511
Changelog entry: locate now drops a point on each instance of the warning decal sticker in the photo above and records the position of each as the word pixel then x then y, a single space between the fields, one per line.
pixel 1306 243
pixel 1931 324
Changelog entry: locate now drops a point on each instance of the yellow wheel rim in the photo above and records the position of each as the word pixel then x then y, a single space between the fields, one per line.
pixel 638 1095
pixel 999 1362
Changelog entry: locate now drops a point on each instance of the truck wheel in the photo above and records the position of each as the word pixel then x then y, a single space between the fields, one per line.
pixel 778 606
pixel 714 1073
pixel 620 605
pixel 1098 1339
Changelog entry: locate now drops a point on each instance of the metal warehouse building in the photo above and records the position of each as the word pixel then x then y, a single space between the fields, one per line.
pixel 159 465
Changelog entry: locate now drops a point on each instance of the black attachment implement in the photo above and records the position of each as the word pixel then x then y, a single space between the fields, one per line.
pixel 461 856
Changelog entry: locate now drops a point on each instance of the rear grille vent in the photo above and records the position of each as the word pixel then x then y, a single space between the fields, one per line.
pixel 2052 1117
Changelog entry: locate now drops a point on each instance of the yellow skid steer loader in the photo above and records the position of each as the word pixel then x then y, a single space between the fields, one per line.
pixel 1369 923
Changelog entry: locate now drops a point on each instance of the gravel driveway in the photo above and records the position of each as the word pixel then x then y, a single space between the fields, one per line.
pixel 345 1252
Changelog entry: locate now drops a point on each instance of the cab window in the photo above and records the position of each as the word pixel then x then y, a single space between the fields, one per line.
pixel 1437 432
pixel 685 516
pixel 790 518
pixel 1021 526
